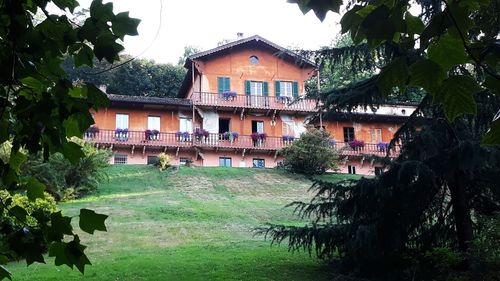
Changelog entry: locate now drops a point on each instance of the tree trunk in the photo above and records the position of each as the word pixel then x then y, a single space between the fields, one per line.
pixel 461 212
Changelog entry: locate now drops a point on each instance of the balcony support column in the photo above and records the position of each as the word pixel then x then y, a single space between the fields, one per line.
pixel 242 113
pixel 243 153
pixel 176 151
pixel 143 150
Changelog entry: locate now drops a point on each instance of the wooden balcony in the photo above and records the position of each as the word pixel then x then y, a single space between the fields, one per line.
pixel 254 102
pixel 175 140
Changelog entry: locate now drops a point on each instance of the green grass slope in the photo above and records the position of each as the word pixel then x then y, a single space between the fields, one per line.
pixel 189 224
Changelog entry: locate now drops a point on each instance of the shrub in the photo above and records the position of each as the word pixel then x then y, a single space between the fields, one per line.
pixel 42 206
pixel 58 174
pixel 311 154
pixel 163 161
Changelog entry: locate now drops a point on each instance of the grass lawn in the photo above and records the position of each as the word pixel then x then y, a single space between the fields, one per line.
pixel 189 224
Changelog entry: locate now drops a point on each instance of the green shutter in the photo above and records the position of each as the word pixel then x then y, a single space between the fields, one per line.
pixel 220 84
pixel 247 87
pixel 277 88
pixel 265 89
pixel 295 89
pixel 227 84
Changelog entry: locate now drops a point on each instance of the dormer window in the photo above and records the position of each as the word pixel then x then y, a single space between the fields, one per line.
pixel 254 60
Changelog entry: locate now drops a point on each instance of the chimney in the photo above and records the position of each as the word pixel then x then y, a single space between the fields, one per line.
pixel 239 35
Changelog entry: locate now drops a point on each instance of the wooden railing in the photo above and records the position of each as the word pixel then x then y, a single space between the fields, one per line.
pixel 140 138
pixel 249 101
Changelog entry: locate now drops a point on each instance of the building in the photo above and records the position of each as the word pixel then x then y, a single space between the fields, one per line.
pixel 239 104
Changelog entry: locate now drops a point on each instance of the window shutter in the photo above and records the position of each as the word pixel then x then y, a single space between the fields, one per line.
pixel 295 89
pixel 247 87
pixel 227 84
pixel 265 89
pixel 220 84
pixel 277 88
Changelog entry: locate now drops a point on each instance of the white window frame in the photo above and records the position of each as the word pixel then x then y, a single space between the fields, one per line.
pixel 186 125
pixel 376 135
pixel 154 122
pixel 256 88
pixel 122 121
pixel 122 159
pixel 286 89
pixel 260 129
pixel 288 128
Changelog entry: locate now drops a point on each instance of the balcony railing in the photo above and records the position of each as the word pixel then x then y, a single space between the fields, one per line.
pixel 140 138
pixel 257 102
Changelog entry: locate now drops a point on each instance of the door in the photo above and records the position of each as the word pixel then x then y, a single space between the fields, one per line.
pixel 258 127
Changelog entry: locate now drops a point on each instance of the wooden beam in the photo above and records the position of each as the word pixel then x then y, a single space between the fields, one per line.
pixel 362 161
pixel 164 149
pixel 275 155
pixel 243 153
pixel 242 112
pixel 143 150
pixel 177 152
pixel 133 148
pixel 372 162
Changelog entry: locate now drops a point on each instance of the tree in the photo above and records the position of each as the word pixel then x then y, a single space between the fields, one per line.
pixel 188 51
pixel 136 77
pixel 311 154
pixel 41 109
pixel 433 193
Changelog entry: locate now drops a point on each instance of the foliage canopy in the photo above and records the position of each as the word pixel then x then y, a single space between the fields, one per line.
pixel 40 110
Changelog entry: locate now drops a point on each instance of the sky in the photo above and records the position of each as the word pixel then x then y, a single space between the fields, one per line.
pixel 204 23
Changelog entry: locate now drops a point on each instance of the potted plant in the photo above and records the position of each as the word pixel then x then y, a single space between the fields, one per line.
pixel 182 136
pixel 357 144
pixel 333 142
pixel 147 134
pixel 288 139
pixel 234 136
pixel 228 95
pixel 201 134
pixel 121 134
pixel 155 134
pixel 382 146
pixel 91 132
pixel 283 99
pixel 258 138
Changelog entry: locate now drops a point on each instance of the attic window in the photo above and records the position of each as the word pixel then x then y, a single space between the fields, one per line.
pixel 254 60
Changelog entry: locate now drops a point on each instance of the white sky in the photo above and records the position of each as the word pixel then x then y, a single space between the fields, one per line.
pixel 204 23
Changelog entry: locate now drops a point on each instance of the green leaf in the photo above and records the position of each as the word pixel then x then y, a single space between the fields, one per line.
pixel 426 74
pixel 320 7
pixel 35 189
pixel 78 92
pixel 107 48
pixel 91 221
pixel 4 273
pixel 491 83
pixel 101 12
pixel 96 97
pixel 447 52
pixel 75 254
pixel 3 260
pixel 437 26
pixel 72 128
pixel 61 223
pixel 63 4
pixel 16 159
pixel 73 152
pixel 395 74
pixel 492 137
pixel 18 212
pixel 84 56
pixel 124 25
pixel 414 25
pixel 58 250
pixel 457 96
pixel 34 84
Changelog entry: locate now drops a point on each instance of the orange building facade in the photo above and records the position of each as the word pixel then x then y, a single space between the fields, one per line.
pixel 239 104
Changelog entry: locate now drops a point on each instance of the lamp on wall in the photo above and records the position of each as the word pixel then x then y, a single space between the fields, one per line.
pixel 273 123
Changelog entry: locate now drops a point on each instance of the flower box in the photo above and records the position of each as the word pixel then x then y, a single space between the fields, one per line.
pixel 201 134
pixel 382 146
pixel 230 136
pixel 121 134
pixel 151 134
pixel 91 132
pixel 182 136
pixel 283 99
pixel 228 95
pixel 258 138
pixel 357 144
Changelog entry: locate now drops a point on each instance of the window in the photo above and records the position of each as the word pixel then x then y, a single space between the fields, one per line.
pixel 288 128
pixel 256 88
pixel 184 160
pixel 120 159
pixel 223 84
pixel 351 169
pixel 378 171
pixel 121 121
pixel 254 60
pixel 348 134
pixel 376 135
pixel 152 160
pixel 154 123
pixel 223 125
pixel 259 163
pixel 286 89
pixel 225 162
pixel 258 127
pixel 186 125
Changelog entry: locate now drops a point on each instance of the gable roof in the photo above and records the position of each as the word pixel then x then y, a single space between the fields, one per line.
pixel 253 41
